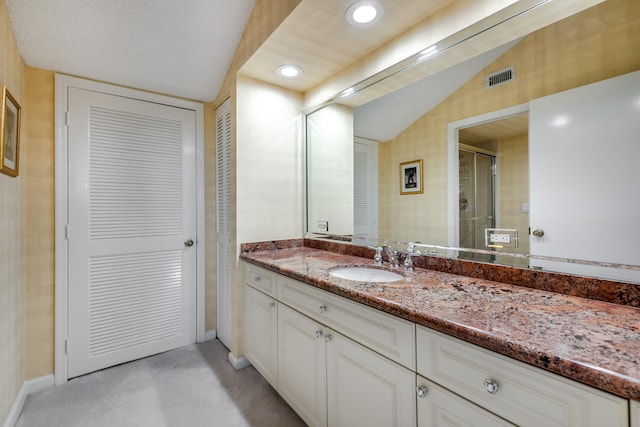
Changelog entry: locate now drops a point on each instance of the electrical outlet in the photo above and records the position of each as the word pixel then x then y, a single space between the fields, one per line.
pixel 322 226
pixel 500 238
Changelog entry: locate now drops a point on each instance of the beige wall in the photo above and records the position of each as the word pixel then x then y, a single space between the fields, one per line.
pixel 12 248
pixel 39 219
pixel 597 44
pixel 513 190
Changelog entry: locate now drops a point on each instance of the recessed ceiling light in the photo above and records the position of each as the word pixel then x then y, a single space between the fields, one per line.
pixel 364 12
pixel 289 71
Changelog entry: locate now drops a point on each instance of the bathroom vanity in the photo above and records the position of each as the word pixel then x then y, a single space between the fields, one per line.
pixel 435 348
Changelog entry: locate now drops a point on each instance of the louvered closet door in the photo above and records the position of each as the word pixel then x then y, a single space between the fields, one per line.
pixel 365 191
pixel 224 220
pixel 131 208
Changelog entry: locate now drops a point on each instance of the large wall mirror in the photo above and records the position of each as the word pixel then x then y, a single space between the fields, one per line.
pixel 526 155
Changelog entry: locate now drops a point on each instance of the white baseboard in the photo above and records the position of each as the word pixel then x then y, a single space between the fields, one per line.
pixel 238 362
pixel 210 335
pixel 28 387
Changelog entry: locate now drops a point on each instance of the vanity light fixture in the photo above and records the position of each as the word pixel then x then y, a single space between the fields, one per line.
pixel 364 12
pixel 289 71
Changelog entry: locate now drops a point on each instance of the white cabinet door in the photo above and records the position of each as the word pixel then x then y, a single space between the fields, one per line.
pixel 366 389
pixel 635 413
pixel 439 407
pixel 261 333
pixel 302 377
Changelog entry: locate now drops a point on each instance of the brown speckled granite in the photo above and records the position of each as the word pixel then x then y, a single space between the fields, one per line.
pixel 586 287
pixel 594 342
pixel 271 245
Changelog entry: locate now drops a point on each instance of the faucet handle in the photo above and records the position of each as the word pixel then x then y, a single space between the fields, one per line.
pixel 377 258
pixel 411 251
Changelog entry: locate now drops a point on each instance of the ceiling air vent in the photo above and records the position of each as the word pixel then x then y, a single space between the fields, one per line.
pixel 500 77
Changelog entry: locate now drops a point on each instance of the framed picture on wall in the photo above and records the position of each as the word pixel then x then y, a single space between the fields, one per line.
pixel 411 177
pixel 9 135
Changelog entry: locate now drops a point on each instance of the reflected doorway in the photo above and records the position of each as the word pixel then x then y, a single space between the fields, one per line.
pixel 476 174
pixel 489 181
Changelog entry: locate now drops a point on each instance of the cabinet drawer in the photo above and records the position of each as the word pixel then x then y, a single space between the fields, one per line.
pixel 525 395
pixel 388 335
pixel 260 278
pixel 439 407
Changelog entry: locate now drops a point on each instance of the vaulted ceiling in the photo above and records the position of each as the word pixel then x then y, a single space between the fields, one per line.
pixel 179 48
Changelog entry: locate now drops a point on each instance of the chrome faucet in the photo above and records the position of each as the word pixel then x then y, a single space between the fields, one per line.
pixel 392 255
pixel 411 252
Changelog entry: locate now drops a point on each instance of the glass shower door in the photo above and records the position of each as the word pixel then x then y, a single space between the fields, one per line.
pixel 476 196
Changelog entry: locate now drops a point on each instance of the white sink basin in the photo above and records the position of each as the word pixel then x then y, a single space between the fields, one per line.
pixel 365 274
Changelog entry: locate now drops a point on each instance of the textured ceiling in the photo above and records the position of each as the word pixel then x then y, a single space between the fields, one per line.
pixel 179 48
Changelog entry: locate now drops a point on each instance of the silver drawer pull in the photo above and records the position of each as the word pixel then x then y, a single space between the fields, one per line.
pixel 491 386
pixel 319 333
pixel 272 304
pixel 421 391
pixel 256 279
pixel 328 338
pixel 323 309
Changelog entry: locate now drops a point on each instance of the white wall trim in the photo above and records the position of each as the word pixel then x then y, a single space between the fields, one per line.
pixel 453 185
pixel 28 387
pixel 62 83
pixel 210 335
pixel 238 362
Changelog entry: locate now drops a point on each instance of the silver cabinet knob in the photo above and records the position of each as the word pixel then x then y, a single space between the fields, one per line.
pixel 328 338
pixel 323 309
pixel 256 279
pixel 491 386
pixel 272 304
pixel 188 243
pixel 319 333
pixel 538 233
pixel 421 391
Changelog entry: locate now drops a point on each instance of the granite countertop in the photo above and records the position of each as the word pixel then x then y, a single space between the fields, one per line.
pixel 590 341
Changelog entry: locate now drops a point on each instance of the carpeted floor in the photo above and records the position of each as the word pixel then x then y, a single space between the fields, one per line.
pixel 191 386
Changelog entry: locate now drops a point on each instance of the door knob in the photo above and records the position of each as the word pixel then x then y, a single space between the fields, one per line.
pixel 538 233
pixel 188 243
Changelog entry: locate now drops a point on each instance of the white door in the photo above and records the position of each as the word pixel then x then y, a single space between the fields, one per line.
pixel 224 221
pixel 584 193
pixel 365 194
pixel 132 214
